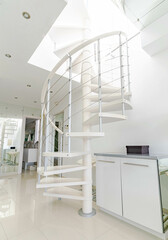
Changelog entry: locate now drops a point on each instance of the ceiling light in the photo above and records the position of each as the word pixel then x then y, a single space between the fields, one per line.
pixel 16 97
pixel 8 55
pixel 26 15
pixel 28 85
pixel 35 101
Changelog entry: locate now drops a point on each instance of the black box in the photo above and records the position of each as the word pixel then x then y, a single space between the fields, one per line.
pixel 138 150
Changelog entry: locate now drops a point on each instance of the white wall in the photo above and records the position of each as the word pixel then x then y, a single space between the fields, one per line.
pixel 147 122
pixel 16 111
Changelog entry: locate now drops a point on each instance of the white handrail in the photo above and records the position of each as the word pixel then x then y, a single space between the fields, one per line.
pixel 55 127
pixel 81 46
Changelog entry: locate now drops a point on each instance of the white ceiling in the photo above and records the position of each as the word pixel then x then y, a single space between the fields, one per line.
pixel 144 12
pixel 20 38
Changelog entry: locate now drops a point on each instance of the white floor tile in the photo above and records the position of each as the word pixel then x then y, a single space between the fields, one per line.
pixel 62 233
pixel 32 234
pixel 123 235
pixel 2 234
pixel 15 225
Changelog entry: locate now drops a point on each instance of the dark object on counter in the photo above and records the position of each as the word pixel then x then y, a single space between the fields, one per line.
pixel 143 150
pixel 12 147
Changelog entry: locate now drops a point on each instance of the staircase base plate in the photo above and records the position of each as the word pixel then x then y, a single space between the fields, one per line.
pixel 82 214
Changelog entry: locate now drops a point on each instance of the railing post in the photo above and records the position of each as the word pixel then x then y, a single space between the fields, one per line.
pixel 99 85
pixel 121 74
pixel 47 124
pixel 41 141
pixel 128 70
pixel 70 103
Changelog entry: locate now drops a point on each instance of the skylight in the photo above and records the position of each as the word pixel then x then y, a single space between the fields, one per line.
pixel 68 27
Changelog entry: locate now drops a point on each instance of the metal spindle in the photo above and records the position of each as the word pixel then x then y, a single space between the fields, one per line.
pixel 70 103
pixel 99 85
pixel 128 71
pixel 41 141
pixel 47 124
pixel 121 75
pixel 61 149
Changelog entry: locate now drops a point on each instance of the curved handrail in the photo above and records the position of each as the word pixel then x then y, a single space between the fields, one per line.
pixel 73 51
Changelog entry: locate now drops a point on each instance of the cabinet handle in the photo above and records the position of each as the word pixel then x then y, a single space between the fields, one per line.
pixel 138 165
pixel 106 161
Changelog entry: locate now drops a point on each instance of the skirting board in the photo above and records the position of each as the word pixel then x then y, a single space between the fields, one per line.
pixel 163 236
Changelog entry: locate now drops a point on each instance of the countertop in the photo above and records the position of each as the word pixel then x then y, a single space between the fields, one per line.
pixel 122 155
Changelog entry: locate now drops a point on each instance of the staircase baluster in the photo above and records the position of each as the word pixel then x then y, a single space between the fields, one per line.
pixel 121 74
pixel 41 140
pixel 47 124
pixel 99 84
pixel 128 71
pixel 70 103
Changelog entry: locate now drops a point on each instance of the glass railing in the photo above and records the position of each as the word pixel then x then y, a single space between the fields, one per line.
pixel 163 173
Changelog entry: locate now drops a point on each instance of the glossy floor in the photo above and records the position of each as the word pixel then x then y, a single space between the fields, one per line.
pixel 26 215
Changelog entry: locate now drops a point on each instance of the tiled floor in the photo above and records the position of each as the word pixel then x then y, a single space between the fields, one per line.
pixel 26 215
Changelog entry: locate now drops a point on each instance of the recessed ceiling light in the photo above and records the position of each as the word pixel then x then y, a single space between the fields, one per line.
pixel 26 15
pixel 16 97
pixel 28 85
pixel 8 55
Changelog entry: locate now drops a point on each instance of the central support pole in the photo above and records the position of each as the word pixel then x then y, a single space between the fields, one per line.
pixel 86 210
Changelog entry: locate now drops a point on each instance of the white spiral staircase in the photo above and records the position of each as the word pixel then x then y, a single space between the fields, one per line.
pixel 91 85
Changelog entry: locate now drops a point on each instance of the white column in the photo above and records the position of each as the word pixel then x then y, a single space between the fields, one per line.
pixel 87 160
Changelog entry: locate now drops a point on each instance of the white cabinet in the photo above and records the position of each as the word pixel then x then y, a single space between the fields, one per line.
pixel 140 191
pixel 30 155
pixel 129 187
pixel 108 185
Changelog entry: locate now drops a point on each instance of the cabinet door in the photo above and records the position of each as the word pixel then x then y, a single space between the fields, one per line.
pixel 141 195
pixel 108 185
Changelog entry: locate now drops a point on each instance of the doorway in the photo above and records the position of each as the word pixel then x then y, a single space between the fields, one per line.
pixel 58 139
pixel 31 144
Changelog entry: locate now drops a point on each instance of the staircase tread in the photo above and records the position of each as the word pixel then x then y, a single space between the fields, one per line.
pixel 106 118
pixel 51 168
pixel 61 169
pixel 63 154
pixel 85 134
pixel 59 180
pixel 108 97
pixel 110 106
pixel 64 190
